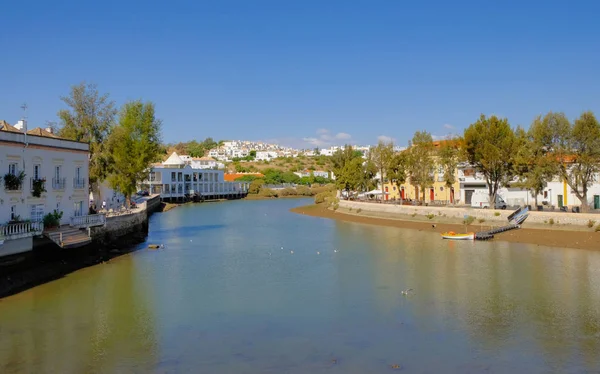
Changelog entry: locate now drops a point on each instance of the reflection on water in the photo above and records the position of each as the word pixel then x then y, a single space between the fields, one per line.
pixel 98 320
pixel 227 295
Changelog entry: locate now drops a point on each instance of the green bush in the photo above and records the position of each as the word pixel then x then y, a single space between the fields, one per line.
pixel 304 191
pixel 288 191
pixel 496 214
pixel 481 220
pixel 430 216
pixel 358 210
pixel 267 192
pixel 469 220
pixel 597 229
pixel 324 196
pixel 591 223
pixel 336 206
pixel 52 219
pixel 551 221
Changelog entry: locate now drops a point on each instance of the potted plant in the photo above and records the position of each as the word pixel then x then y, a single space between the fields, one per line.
pixel 39 186
pixel 13 182
pixel 52 220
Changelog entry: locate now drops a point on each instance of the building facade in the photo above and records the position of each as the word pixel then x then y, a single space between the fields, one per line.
pixel 176 180
pixel 40 173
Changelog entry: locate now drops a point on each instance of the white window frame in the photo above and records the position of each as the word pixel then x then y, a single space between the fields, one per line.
pixel 37 170
pixel 13 168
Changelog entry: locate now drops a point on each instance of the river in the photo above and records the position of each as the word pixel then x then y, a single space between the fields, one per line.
pixel 227 295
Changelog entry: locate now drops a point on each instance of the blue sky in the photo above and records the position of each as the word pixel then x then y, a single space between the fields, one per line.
pixel 306 72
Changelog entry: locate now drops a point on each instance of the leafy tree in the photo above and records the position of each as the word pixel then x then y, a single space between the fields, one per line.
pixel 534 163
pixel 351 176
pixel 252 154
pixel 397 169
pixel 577 150
pixel 420 163
pixel 448 156
pixel 195 149
pixel 133 146
pixel 489 146
pixel 381 155
pixel 289 177
pixel 90 118
pixel 209 144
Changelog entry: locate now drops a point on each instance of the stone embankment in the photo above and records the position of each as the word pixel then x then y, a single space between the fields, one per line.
pixel 459 213
pixel 48 262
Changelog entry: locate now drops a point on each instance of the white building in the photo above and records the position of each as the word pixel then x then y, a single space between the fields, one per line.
pixel 266 155
pixel 176 180
pixel 557 193
pixel 316 173
pixel 40 173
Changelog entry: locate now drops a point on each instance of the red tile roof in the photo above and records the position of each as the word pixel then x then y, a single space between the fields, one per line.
pixel 234 176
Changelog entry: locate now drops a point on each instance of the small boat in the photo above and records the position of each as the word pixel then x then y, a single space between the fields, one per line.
pixel 454 236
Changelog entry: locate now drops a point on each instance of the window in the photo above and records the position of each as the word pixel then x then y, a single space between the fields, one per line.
pixel 36 171
pixel 13 212
pixel 57 172
pixel 12 168
pixel 78 209
pixel 37 212
pixel 78 173
pixel 545 194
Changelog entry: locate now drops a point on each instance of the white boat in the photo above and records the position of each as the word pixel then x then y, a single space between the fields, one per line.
pixel 454 236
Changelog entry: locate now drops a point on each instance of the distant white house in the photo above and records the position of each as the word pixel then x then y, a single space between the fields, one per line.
pixel 266 155
pixel 316 173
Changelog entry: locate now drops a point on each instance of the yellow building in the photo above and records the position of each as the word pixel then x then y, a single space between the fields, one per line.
pixel 436 192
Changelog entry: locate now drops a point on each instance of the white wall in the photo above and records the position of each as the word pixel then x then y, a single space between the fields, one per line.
pixel 48 153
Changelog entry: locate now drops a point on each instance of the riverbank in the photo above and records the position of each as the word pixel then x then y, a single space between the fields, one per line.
pixel 566 237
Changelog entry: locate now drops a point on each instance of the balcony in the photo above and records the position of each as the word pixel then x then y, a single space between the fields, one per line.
pixel 59 183
pixel 79 183
pixel 90 220
pixel 13 183
pixel 21 230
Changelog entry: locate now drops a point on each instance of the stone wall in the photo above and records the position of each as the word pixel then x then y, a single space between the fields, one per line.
pixel 15 246
pixel 490 215
pixel 152 204
pixel 133 227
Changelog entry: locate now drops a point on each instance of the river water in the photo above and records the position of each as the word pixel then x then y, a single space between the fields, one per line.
pixel 227 295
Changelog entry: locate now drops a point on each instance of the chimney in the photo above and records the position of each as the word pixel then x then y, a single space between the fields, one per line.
pixel 20 125
pixel 50 130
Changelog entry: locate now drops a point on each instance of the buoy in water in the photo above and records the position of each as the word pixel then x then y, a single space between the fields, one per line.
pixel 155 246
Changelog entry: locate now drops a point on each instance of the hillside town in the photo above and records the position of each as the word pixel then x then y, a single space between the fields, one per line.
pixel 240 149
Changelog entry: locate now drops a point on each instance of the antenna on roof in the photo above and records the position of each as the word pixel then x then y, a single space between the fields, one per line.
pixel 24 107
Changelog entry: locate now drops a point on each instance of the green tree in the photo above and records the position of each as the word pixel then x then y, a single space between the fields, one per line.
pixel 252 154
pixel 381 155
pixel 352 175
pixel 420 163
pixel 90 118
pixel 489 146
pixel 534 162
pixel 577 150
pixel 448 156
pixel 209 144
pixel 397 169
pixel 195 149
pixel 133 146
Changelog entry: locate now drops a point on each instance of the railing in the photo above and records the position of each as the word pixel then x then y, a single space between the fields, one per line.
pixel 89 220
pixel 79 183
pixel 59 183
pixel 32 182
pixel 21 229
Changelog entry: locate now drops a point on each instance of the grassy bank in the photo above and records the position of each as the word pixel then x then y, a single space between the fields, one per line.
pixel 552 237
